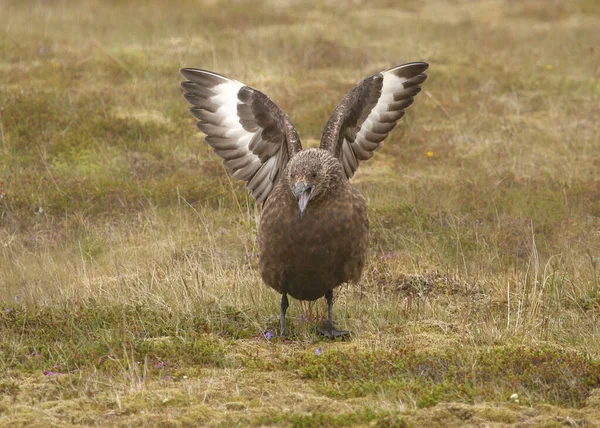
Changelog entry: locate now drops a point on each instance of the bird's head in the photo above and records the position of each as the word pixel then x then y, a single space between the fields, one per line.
pixel 312 174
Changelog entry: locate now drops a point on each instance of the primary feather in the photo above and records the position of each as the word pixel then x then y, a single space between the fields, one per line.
pixel 248 130
pixel 366 116
pixel 256 139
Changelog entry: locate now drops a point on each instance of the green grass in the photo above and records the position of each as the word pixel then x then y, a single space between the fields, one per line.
pixel 128 259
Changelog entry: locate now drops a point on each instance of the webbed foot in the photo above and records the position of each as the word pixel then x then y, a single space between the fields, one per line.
pixel 330 332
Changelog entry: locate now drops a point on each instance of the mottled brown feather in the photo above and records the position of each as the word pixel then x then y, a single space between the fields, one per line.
pixel 306 257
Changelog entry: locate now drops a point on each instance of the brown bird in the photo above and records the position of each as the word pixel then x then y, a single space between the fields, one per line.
pixel 314 229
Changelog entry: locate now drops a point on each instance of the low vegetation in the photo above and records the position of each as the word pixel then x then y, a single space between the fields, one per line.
pixel 128 262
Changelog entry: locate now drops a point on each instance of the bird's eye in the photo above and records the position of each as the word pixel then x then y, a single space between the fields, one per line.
pixel 313 174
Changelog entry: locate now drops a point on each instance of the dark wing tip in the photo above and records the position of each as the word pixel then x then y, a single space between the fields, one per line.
pixel 189 73
pixel 409 69
pixel 186 85
pixel 415 80
pixel 205 78
pixel 245 94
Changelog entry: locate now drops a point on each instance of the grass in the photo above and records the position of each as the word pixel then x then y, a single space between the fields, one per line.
pixel 128 260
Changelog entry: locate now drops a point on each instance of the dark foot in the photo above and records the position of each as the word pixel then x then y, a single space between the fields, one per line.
pixel 333 333
pixel 328 330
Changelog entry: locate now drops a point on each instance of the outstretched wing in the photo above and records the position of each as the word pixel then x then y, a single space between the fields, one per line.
pixel 250 132
pixel 369 112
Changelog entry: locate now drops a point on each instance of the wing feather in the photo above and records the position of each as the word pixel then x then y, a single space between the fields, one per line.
pixel 252 135
pixel 366 116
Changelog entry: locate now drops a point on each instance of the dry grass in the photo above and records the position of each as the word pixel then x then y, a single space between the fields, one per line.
pixel 128 256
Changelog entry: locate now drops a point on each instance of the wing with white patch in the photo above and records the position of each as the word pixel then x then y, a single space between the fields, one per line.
pixel 250 132
pixel 369 112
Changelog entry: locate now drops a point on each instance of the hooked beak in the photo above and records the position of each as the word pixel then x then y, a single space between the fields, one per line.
pixel 303 193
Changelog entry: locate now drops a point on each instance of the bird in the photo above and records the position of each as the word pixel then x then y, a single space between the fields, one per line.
pixel 314 229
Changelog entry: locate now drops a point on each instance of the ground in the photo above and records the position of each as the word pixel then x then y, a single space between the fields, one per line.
pixel 128 267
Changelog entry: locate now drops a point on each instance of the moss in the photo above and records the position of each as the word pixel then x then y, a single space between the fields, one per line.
pixel 107 338
pixel 429 377
pixel 318 419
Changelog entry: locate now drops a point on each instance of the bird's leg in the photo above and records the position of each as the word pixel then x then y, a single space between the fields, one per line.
pixel 329 297
pixel 284 306
pixel 328 329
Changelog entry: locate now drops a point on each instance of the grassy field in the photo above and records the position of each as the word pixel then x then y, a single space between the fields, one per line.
pixel 129 290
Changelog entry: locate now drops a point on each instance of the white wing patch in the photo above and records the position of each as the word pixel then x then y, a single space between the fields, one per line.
pixel 226 98
pixel 237 139
pixel 400 85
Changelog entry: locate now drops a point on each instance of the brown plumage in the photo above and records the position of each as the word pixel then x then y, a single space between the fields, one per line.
pixel 314 229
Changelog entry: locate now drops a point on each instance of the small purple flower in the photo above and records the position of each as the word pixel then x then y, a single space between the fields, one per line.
pixel 51 373
pixel 161 365
pixel 319 351
pixel 8 310
pixel 43 50
pixel 303 318
pixel 268 334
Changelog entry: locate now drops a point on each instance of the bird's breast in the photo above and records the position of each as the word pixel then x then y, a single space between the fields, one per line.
pixel 307 256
